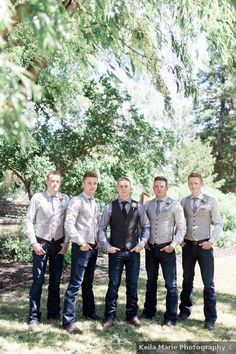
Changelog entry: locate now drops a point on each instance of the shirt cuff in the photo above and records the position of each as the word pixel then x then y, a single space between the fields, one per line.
pixel 142 244
pixel 105 245
pixel 174 244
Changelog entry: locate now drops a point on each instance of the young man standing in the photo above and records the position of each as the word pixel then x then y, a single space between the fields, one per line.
pixel 200 211
pixel 81 225
pixel 168 228
pixel 124 215
pixel 47 212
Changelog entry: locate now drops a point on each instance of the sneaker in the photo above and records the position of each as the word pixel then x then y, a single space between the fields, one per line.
pixel 209 325
pixel 33 325
pixel 73 329
pixel 182 316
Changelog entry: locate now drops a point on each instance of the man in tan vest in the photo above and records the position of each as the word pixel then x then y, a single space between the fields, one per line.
pixel 167 231
pixel 200 211
pixel 81 224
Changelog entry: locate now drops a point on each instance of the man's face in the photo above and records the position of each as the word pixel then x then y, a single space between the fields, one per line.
pixel 124 189
pixel 53 183
pixel 90 185
pixel 195 185
pixel 160 189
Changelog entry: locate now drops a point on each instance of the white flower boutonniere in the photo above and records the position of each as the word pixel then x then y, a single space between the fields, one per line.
pixel 204 200
pixel 134 205
pixel 168 202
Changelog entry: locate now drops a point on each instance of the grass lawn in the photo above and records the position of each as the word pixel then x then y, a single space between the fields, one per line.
pixel 122 338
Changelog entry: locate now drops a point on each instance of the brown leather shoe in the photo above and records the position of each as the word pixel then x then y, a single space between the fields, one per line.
pixel 107 324
pixel 73 329
pixel 33 325
pixel 135 322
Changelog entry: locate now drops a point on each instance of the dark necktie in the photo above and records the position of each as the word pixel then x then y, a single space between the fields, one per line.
pixel 158 206
pixel 123 210
pixel 194 205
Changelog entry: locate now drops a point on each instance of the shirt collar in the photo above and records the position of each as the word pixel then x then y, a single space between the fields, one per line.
pixel 121 200
pixel 52 195
pixel 199 196
pixel 164 199
pixel 86 196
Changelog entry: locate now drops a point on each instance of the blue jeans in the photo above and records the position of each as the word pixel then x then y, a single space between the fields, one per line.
pixel 154 258
pixel 83 265
pixel 117 261
pixel 55 271
pixel 205 258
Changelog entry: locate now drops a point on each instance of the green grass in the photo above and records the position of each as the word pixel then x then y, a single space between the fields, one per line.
pixel 122 338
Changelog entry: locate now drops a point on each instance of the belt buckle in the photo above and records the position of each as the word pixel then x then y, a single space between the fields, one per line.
pixel 195 243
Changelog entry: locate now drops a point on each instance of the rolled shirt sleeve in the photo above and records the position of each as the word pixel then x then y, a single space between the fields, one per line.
pixel 72 213
pixel 216 220
pixel 145 226
pixel 180 225
pixel 30 220
pixel 102 227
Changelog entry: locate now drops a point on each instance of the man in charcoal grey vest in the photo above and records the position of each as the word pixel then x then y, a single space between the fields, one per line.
pixel 124 216
pixel 81 225
pixel 167 231
pixel 200 211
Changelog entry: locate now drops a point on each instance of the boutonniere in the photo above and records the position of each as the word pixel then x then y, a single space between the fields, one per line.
pixel 168 202
pixel 134 205
pixel 204 200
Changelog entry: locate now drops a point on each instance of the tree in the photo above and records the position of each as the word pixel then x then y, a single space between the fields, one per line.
pixel 110 136
pixel 133 33
pixel 189 155
pixel 216 117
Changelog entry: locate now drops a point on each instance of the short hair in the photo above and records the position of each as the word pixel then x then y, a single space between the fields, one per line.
pixel 90 174
pixel 54 172
pixel 161 178
pixel 123 179
pixel 195 174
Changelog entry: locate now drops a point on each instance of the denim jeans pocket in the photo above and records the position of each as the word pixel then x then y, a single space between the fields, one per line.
pixel 83 257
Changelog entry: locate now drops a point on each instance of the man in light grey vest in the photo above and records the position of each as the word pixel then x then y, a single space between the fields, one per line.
pixel 167 231
pixel 200 211
pixel 44 226
pixel 81 225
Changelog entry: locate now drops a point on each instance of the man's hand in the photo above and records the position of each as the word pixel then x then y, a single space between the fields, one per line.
pixel 137 249
pixel 182 244
pixel 64 247
pixel 38 249
pixel 147 247
pixel 85 247
pixel 206 245
pixel 167 249
pixel 113 249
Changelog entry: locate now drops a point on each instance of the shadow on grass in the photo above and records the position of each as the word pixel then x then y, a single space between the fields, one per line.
pixel 222 299
pixel 14 307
